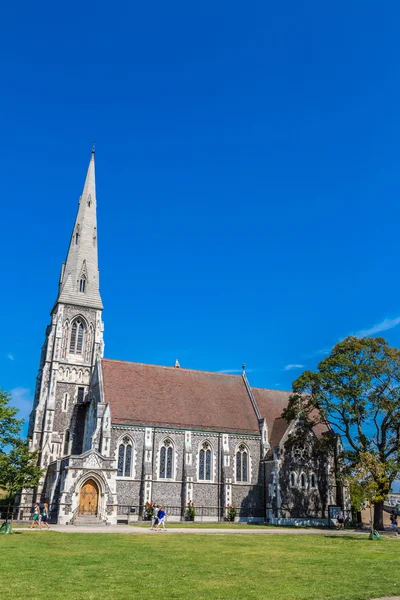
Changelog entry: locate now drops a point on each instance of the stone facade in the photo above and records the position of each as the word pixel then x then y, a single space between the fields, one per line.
pixel 220 443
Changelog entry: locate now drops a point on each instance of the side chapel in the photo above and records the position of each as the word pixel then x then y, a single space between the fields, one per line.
pixel 106 452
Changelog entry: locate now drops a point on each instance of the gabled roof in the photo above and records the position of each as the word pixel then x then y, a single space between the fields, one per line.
pixel 173 397
pixel 271 404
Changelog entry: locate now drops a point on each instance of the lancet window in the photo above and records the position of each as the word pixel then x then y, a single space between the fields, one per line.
pixel 125 451
pixel 242 464
pixel 166 460
pixel 77 337
pixel 205 462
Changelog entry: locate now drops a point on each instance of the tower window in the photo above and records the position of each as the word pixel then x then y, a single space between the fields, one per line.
pixel 77 335
pixel 81 394
pixel 66 442
pixel 77 233
pixel 82 284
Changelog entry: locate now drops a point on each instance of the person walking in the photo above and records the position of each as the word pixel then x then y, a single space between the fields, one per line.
pixel 161 518
pixel 45 516
pixel 340 519
pixel 36 516
pixel 393 520
pixel 154 518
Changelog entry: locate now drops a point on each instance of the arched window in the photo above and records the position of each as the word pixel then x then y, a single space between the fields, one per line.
pixel 242 464
pixel 125 458
pixel 313 481
pixel 77 337
pixel 205 462
pixel 293 480
pixel 66 442
pixel 65 402
pixel 77 234
pixel 303 481
pixel 82 284
pixel 166 460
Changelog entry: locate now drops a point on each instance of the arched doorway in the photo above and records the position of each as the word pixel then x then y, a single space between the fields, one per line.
pixel 89 498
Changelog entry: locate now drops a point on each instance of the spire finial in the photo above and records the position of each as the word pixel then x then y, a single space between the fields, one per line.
pixel 243 369
pixel 94 147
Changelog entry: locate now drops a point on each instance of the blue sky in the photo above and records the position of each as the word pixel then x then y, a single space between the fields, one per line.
pixel 248 185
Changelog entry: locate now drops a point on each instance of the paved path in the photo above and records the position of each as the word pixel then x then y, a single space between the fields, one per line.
pixel 131 529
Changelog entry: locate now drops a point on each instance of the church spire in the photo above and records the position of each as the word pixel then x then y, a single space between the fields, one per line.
pixel 79 282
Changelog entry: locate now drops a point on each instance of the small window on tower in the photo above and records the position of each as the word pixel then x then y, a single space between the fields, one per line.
pixel 82 284
pixel 81 393
pixel 77 235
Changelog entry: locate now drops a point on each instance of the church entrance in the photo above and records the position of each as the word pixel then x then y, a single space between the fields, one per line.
pixel 89 498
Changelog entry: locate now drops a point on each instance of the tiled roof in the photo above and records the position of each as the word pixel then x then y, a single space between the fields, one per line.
pixel 172 397
pixel 271 404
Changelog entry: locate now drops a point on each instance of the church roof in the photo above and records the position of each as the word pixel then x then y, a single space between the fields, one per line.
pixel 174 397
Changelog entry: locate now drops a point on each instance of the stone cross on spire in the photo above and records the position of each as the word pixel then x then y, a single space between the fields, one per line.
pixel 79 281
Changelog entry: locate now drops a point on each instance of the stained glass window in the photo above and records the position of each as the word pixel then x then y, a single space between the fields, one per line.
pixel 166 460
pixel 239 466
pixel 124 467
pixel 162 461
pixel 72 343
pixel 242 464
pixel 121 458
pixel 205 455
pixel 201 464
pixel 208 465
pixel 128 460
pixel 169 463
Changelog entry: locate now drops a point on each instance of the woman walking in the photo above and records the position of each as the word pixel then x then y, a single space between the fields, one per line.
pixel 161 519
pixel 45 516
pixel 36 515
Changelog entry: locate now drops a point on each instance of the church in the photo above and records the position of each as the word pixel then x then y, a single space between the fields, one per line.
pixel 218 442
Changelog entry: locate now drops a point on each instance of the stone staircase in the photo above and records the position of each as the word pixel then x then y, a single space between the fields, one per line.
pixel 88 521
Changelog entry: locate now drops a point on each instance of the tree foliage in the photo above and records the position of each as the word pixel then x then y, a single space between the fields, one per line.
pixel 356 390
pixel 18 468
pixel 10 426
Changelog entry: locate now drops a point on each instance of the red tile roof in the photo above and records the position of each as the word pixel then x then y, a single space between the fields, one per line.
pixel 170 397
pixel 271 404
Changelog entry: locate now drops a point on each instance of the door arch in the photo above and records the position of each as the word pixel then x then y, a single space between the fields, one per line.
pixel 89 498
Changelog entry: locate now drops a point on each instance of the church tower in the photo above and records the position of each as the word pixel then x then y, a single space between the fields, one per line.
pixel 73 342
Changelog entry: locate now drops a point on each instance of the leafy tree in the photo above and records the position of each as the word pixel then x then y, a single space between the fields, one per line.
pixel 356 391
pixel 10 426
pixel 368 478
pixel 18 470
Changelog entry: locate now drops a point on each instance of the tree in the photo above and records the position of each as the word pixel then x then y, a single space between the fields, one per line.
pixel 18 470
pixel 10 426
pixel 356 391
pixel 368 479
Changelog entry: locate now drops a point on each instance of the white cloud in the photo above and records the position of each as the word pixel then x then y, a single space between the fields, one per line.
pixel 382 326
pixel 295 366
pixel 22 399
pixel 10 356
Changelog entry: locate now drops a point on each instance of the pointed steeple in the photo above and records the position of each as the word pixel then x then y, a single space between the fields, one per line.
pixel 79 282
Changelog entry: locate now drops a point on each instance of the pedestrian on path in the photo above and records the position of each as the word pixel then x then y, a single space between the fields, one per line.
pixel 393 520
pixel 36 516
pixel 154 518
pixel 161 518
pixel 45 516
pixel 340 519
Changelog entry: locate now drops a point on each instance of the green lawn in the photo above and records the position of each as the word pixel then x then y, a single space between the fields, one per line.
pixel 64 566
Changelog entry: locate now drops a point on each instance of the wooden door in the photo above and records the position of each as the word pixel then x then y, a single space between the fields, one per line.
pixel 89 498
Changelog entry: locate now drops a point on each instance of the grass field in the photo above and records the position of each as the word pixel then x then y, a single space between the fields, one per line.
pixel 66 566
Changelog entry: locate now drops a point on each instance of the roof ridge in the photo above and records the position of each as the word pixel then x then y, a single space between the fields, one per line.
pixel 131 362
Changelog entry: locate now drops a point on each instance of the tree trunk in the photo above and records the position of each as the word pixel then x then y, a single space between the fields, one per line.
pixel 378 516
